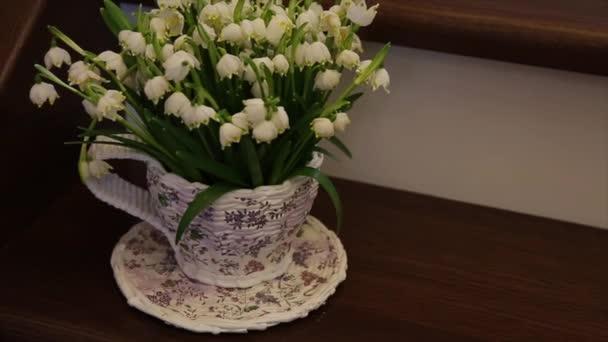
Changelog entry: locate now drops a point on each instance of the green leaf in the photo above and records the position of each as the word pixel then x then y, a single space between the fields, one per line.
pixel 117 16
pixel 238 9
pixel 214 168
pixel 351 100
pixel 201 201
pixel 109 22
pixel 253 163
pixel 279 162
pixel 181 135
pixel 339 144
pixel 327 185
pixel 325 152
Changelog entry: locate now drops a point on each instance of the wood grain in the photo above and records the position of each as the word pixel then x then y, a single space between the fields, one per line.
pixel 420 269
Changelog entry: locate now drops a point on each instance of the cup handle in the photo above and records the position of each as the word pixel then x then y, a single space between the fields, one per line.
pixel 116 191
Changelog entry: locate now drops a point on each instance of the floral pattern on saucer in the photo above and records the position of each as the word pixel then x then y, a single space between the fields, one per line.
pixel 147 273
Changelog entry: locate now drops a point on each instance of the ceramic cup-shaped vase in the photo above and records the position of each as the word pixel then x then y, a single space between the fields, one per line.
pixel 244 238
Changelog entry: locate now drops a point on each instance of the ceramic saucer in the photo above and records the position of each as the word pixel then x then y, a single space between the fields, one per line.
pixel 148 276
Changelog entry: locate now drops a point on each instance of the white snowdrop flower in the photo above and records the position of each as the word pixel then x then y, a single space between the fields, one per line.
pixel 215 14
pixel 363 65
pixel 43 92
pixel 229 134
pixel 246 28
pixel 259 29
pixel 150 54
pixel 198 115
pixel 256 90
pixel 380 78
pixel 280 119
pixel 316 7
pixel 319 53
pixel 264 132
pixel 346 4
pixel 173 22
pixel 91 109
pixel 159 27
pixel 80 73
pixel 232 34
pixel 55 57
pixel 156 88
pixel 229 65
pixel 201 39
pixel 167 50
pixel 277 27
pixel 110 104
pixel 255 109
pixel 278 10
pixel 169 3
pixel 303 56
pixel 113 62
pixel 181 44
pixel 342 120
pixel 281 65
pixel 356 44
pixel 240 120
pixel 361 15
pixel 341 12
pixel 348 59
pixel 321 37
pixel 323 127
pixel 177 104
pixel 310 19
pixel 249 75
pixel 330 21
pixel 179 65
pixel 327 80
pixel 134 42
pixel 96 168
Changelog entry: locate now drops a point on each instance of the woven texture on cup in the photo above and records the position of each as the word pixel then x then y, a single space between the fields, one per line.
pixel 244 238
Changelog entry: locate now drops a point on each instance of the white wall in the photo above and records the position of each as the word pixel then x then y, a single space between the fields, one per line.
pixel 510 136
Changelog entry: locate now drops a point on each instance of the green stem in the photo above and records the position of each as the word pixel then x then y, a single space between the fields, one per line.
pixel 51 77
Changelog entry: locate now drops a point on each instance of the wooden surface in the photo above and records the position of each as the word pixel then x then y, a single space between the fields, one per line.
pixel 564 34
pixel 420 269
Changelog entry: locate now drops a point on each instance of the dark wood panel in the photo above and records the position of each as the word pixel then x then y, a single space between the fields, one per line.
pixel 420 269
pixel 564 34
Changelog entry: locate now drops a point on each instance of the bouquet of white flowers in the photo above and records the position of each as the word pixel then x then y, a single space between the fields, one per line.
pixel 230 94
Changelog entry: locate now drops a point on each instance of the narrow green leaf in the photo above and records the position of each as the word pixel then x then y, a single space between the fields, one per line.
pixel 327 185
pixel 325 152
pixel 108 21
pixel 339 144
pixel 117 16
pixel 238 9
pixel 279 162
pixel 351 100
pixel 201 201
pixel 213 167
pixel 253 163
pixel 181 135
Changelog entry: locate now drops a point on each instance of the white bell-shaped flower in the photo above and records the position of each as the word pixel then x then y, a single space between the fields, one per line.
pixel 257 87
pixel 330 22
pixel 264 132
pixel 280 119
pixel 150 53
pixel 327 80
pixel 246 28
pixel 43 92
pixel 380 78
pixel 348 59
pixel 216 14
pixel 250 76
pixel 255 109
pixel 319 53
pixel 159 27
pixel 156 88
pixel 229 65
pixel 232 34
pixel 201 39
pixel 303 56
pixel 179 65
pixel 259 29
pixel 167 50
pixel 177 104
pixel 361 15
pixel 316 8
pixel 310 19
pixel 56 57
pixel 356 44
pixel 323 127
pixel 173 20
pixel 281 64
pixel 91 109
pixel 80 73
pixel 134 42
pixel 342 120
pixel 198 115
pixel 110 104
pixel 240 120
pixel 113 62
pixel 363 65
pixel 277 27
pixel 229 134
